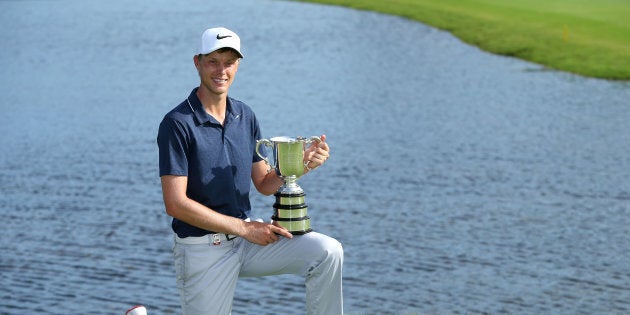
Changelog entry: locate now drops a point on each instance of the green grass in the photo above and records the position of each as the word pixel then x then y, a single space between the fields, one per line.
pixel 586 37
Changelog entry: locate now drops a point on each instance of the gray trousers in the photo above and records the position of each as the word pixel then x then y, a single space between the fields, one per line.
pixel 207 273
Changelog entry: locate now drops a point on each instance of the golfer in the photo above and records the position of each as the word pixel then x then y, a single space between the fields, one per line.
pixel 207 159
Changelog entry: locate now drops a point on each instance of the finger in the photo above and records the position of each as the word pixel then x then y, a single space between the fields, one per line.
pixel 323 152
pixel 323 145
pixel 321 156
pixel 311 148
pixel 282 231
pixel 315 162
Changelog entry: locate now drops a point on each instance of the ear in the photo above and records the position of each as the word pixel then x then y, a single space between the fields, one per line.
pixel 196 61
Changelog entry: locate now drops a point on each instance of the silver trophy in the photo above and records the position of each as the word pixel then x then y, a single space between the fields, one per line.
pixel 290 209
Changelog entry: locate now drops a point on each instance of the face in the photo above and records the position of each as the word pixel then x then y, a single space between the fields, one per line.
pixel 217 70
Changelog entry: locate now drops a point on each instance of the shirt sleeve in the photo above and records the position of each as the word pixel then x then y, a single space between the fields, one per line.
pixel 257 135
pixel 173 148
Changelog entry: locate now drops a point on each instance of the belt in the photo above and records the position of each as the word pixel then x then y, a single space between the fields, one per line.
pixel 214 239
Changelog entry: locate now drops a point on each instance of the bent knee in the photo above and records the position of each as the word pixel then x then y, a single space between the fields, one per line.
pixel 336 249
pixel 333 249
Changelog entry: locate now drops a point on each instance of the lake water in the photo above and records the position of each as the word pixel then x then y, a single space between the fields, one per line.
pixel 459 182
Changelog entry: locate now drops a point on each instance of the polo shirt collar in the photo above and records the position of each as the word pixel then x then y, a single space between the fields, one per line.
pixel 201 116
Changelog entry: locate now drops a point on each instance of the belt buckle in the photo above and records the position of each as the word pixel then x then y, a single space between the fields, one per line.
pixel 216 239
pixel 229 238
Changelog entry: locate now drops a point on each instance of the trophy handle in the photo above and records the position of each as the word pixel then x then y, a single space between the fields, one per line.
pixel 314 138
pixel 266 143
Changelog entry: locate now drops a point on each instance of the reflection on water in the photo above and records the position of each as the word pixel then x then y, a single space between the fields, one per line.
pixel 459 181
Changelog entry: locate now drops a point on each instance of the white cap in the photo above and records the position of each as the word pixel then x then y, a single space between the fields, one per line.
pixel 137 310
pixel 217 38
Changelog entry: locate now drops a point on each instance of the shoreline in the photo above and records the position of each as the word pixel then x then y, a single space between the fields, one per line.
pixel 587 39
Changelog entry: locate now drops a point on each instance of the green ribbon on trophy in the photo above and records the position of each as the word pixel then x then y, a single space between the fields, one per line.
pixel 290 209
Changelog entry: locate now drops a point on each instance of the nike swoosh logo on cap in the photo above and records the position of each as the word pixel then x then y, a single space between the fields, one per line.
pixel 222 37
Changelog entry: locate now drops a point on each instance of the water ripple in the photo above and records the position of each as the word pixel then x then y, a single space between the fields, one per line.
pixel 459 182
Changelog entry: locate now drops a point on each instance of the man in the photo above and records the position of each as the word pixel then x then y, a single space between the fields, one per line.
pixel 207 159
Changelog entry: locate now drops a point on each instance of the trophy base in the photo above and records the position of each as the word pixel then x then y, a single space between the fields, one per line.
pixel 295 226
pixel 290 211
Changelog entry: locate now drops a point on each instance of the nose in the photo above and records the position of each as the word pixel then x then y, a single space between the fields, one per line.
pixel 222 67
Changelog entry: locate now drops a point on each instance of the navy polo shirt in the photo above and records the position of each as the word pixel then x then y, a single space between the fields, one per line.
pixel 217 159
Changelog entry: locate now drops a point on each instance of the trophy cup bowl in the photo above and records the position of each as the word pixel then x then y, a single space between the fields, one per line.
pixel 290 209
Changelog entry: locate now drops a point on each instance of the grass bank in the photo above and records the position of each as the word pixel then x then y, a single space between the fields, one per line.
pixel 586 37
